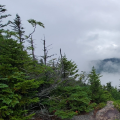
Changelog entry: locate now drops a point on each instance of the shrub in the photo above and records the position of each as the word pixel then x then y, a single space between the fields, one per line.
pixel 100 105
pixel 116 104
pixel 69 101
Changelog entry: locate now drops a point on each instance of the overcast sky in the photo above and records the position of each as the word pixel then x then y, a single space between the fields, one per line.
pixel 85 30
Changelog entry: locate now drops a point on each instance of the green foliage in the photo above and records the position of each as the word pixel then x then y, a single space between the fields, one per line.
pixel 98 95
pixel 2 10
pixel 66 101
pixel 65 114
pixel 100 105
pixel 83 77
pixel 116 104
pixel 108 86
pixel 76 99
pixel 16 89
pixel 16 117
pixel 34 23
pixel 18 29
pixel 69 68
pixel 113 91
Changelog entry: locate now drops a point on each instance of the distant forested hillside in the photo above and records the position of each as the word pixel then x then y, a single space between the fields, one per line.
pixel 109 65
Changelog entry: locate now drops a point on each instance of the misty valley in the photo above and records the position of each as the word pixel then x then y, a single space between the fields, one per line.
pixel 108 65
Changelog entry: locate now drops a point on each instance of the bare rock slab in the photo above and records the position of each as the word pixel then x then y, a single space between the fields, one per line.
pixel 108 112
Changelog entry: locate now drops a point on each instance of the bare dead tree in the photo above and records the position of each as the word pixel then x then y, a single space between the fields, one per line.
pixel 45 56
pixel 32 47
pixel 46 91
pixel 57 77
pixel 34 23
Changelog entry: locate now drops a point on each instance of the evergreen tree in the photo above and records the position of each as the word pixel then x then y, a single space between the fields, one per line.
pixel 18 29
pixel 97 93
pixel 69 68
pixel 17 90
pixel 109 86
pixel 2 10
pixel 83 77
pixel 95 85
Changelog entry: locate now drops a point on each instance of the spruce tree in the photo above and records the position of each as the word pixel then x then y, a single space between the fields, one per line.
pixel 17 90
pixel 95 85
pixel 68 72
pixel 98 95
pixel 69 68
pixel 2 10
pixel 18 29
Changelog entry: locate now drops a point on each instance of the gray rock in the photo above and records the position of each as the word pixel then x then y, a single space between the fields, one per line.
pixel 106 113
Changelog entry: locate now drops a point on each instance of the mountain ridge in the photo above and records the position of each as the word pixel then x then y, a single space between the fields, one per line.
pixel 109 65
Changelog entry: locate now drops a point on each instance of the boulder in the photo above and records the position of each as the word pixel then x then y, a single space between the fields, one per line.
pixel 106 113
